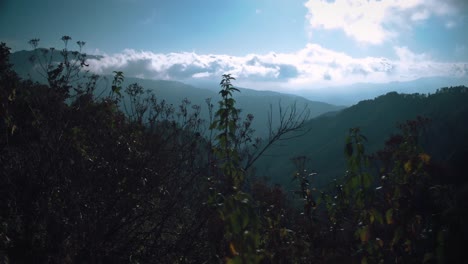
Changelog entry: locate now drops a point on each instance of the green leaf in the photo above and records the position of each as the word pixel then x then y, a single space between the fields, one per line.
pixel 354 184
pixel 235 260
pixel 367 179
pixel 364 234
pixel 397 235
pixel 376 215
pixel 364 260
pixel 349 149
pixel 389 216
pixel 116 89
pixel 360 148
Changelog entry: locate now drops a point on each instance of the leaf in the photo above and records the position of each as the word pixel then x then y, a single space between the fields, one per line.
pixel 12 96
pixel 408 166
pixel 397 235
pixel 213 125
pixel 233 250
pixel 235 260
pixel 116 89
pixel 407 245
pixel 376 215
pixel 364 234
pixel 364 260
pixel 389 216
pixel 349 149
pixel 379 242
pixel 367 179
pixel 354 183
pixel 425 158
pixel 360 148
pixel 13 129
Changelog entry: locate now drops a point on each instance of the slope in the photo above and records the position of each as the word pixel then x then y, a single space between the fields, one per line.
pixel 445 137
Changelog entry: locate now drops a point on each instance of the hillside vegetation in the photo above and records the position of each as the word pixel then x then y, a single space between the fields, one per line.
pixel 125 177
pixel 444 137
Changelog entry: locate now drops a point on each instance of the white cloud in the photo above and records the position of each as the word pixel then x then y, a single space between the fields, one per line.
pixel 311 67
pixel 420 15
pixel 376 21
pixel 407 56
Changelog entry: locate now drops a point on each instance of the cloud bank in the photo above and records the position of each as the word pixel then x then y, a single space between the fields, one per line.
pixel 312 67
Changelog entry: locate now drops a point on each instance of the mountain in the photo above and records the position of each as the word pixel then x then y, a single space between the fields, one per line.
pixel 250 101
pixel 444 138
pixel 352 94
pixel 24 66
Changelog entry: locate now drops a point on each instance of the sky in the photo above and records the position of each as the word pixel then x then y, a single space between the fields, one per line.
pixel 282 45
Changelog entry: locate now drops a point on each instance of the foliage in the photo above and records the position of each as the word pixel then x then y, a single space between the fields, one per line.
pixel 82 182
pixel 394 212
pixel 444 137
pixel 129 178
pixel 85 182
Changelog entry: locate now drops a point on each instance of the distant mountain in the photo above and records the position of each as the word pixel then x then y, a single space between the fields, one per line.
pixel 444 139
pixel 352 94
pixel 25 68
pixel 250 101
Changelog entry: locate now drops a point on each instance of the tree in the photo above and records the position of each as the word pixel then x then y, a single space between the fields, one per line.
pixel 85 181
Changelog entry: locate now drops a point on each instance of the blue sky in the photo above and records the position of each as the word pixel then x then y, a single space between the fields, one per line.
pixel 268 44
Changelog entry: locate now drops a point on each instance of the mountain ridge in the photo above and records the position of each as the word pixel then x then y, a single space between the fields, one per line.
pixel 377 119
pixel 173 92
pixel 351 94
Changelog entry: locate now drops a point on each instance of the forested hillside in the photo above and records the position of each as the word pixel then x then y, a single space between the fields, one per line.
pixel 444 137
pixel 126 178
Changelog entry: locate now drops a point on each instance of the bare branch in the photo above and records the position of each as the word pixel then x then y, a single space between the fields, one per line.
pixel 290 120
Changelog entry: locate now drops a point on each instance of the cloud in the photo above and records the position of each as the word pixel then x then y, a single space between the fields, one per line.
pixel 310 67
pixel 406 55
pixel 376 21
pixel 185 65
